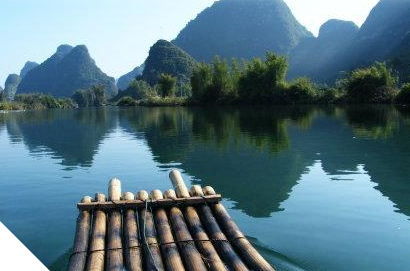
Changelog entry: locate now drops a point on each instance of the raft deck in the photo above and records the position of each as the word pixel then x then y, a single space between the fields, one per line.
pixel 171 231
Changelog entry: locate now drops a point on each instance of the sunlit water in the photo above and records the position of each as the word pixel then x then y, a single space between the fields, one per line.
pixel 313 188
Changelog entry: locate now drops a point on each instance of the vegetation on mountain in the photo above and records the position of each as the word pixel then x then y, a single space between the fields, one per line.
pixel 124 81
pixel 166 58
pixel 91 97
pixel 242 29
pixel 68 70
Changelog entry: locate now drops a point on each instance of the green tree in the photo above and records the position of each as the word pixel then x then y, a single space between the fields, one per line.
pixel 404 95
pixel 94 96
pixel 262 81
pixel 375 84
pixel 126 101
pixel 201 80
pixel 301 91
pixel 221 83
pixel 138 90
pixel 167 84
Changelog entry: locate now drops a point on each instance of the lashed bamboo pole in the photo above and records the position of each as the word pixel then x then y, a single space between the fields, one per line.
pixel 135 204
pixel 152 254
pixel 95 261
pixel 169 249
pixel 114 243
pixel 190 255
pixel 205 247
pixel 221 243
pixel 79 256
pixel 132 251
pixel 250 255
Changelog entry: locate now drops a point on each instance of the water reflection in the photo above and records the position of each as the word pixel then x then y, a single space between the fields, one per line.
pixel 72 136
pixel 264 150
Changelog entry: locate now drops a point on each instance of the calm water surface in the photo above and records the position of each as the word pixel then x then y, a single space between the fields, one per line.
pixel 313 188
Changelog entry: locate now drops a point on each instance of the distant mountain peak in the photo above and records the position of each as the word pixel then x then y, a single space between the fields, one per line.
pixel 242 29
pixel 69 69
pixel 64 49
pixel 27 67
pixel 335 26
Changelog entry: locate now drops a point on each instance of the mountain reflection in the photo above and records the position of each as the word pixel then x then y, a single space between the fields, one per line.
pixel 71 135
pixel 258 152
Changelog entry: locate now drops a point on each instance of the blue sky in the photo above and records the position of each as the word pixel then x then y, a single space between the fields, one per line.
pixel 119 33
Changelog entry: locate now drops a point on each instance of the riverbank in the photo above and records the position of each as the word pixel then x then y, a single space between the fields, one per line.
pixel 36 102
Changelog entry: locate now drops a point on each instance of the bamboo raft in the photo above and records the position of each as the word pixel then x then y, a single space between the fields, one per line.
pixel 171 231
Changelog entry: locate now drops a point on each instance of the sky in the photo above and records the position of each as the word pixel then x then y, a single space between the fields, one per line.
pixel 119 33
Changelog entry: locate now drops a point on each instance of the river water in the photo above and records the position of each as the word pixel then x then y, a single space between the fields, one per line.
pixel 313 188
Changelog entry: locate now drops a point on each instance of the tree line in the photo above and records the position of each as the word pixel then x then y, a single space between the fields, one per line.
pixel 264 82
pixel 235 82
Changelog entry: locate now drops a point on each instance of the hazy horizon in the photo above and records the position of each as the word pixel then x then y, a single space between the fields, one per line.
pixel 119 34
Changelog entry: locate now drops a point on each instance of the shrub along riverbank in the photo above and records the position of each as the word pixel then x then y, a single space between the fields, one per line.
pixel 35 102
pixel 236 82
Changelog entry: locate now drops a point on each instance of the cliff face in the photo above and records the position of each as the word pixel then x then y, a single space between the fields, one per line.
pixel 10 87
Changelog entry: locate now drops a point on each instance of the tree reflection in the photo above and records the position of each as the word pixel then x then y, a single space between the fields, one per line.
pixel 370 121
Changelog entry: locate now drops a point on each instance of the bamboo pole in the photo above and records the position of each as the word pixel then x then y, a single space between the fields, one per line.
pixel 169 249
pixel 79 256
pixel 178 183
pixel 152 254
pixel 250 255
pixel 132 251
pixel 221 243
pixel 191 256
pixel 114 244
pixel 95 261
pixel 206 247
